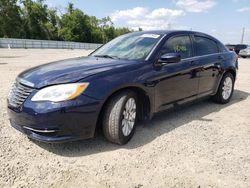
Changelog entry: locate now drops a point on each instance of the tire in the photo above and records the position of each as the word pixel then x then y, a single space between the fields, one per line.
pixel 223 94
pixel 119 119
pixel 244 57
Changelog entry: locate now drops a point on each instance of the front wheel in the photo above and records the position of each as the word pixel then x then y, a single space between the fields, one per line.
pixel 225 90
pixel 120 117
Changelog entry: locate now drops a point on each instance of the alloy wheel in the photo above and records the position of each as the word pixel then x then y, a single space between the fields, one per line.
pixel 227 88
pixel 129 115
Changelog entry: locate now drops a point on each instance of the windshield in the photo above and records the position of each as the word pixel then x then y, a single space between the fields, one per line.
pixel 135 46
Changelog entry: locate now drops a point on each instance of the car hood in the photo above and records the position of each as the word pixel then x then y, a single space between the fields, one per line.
pixel 66 71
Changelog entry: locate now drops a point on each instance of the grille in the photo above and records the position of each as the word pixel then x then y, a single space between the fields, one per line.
pixel 18 94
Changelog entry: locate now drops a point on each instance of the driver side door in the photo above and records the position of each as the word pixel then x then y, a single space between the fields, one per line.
pixel 176 82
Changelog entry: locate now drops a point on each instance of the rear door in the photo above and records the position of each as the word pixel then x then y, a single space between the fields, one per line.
pixel 209 60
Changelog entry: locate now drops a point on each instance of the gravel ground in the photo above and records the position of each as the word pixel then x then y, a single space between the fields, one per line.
pixel 201 145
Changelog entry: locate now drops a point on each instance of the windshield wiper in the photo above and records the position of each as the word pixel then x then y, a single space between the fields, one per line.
pixel 106 56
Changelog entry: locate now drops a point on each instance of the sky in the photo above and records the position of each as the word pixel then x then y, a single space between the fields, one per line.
pixel 223 19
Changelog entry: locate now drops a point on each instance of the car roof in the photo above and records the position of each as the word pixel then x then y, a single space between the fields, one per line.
pixel 165 32
pixel 169 32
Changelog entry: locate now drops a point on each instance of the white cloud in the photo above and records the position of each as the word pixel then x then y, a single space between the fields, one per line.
pixel 196 5
pixel 244 9
pixel 129 13
pixel 163 13
pixel 146 19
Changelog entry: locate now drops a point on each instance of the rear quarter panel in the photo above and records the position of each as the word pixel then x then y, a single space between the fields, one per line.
pixel 229 63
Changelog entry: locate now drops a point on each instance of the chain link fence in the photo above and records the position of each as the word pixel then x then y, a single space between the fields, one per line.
pixel 46 44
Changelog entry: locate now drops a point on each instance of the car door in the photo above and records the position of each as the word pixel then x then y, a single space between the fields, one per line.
pixel 176 81
pixel 209 59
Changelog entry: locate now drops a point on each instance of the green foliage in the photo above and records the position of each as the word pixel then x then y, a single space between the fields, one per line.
pixel 34 20
pixel 35 16
pixel 10 19
pixel 75 26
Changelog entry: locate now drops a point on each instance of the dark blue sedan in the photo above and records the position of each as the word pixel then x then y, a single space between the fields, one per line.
pixel 127 80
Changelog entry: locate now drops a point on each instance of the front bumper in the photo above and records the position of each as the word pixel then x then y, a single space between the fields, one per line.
pixel 56 122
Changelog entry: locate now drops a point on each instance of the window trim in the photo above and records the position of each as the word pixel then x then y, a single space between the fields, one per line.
pixel 154 48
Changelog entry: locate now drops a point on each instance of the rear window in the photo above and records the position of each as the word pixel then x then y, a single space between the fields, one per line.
pixel 205 46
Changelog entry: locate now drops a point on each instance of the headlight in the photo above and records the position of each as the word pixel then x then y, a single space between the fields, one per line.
pixel 60 93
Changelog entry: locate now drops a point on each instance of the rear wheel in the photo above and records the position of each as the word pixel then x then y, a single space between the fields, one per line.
pixel 225 90
pixel 120 117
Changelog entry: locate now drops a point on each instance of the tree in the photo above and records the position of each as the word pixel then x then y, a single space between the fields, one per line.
pixel 96 35
pixel 10 19
pixel 36 17
pixel 35 20
pixel 121 31
pixel 52 24
pixel 75 25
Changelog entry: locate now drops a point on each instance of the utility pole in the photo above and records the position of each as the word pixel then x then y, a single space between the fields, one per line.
pixel 242 36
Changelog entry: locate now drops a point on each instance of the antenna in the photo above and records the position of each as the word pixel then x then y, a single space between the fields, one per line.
pixel 242 36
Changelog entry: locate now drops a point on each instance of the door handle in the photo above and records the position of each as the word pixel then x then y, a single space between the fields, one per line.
pixel 193 62
pixel 220 57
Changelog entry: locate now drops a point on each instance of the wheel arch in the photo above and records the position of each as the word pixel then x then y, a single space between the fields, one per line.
pixel 232 71
pixel 145 103
pixel 229 70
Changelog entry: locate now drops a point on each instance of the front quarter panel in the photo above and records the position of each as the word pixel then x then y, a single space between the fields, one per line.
pixel 133 75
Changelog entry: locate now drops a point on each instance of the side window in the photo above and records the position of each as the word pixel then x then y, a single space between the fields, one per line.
pixel 179 44
pixel 205 46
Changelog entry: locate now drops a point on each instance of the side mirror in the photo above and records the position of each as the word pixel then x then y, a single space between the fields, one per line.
pixel 169 58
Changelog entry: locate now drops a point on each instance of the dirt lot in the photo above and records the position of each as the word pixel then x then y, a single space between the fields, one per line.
pixel 204 144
